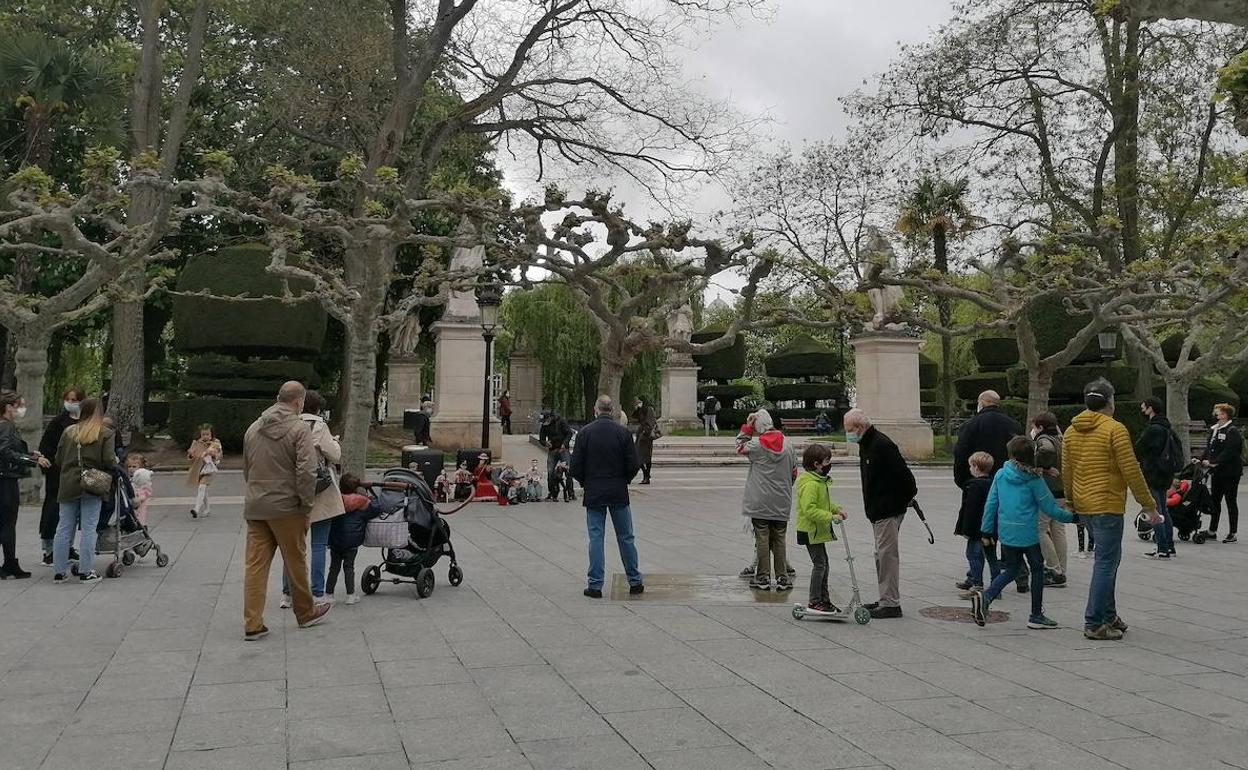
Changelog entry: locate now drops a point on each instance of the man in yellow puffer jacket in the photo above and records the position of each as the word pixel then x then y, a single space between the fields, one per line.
pixel 1098 467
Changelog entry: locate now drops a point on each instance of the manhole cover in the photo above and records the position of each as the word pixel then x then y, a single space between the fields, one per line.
pixel 961 614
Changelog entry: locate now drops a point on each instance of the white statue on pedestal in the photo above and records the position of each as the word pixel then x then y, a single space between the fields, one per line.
pixel 463 303
pixel 680 329
pixel 879 259
pixel 405 338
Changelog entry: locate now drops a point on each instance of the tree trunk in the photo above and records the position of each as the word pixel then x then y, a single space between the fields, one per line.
pixel 357 407
pixel 1039 382
pixel 8 360
pixel 32 372
pixel 127 392
pixel 610 377
pixel 944 309
pixel 946 384
pixel 1177 391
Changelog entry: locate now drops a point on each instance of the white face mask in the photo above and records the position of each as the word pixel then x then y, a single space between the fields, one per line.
pixel 73 407
pixel 20 413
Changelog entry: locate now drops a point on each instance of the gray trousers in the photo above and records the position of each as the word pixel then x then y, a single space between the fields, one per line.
pixel 819 573
pixel 1053 543
pixel 888 560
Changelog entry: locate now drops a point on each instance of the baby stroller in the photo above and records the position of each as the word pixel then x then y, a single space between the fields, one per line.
pixel 1194 502
pixel 411 533
pixel 120 534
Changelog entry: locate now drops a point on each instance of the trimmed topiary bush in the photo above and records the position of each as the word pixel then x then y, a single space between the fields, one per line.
pixel 727 394
pixel 217 367
pixel 1016 408
pixel 995 354
pixel 1238 382
pixel 731 419
pixel 1204 395
pixel 208 324
pixel 1172 347
pixel 930 396
pixel 929 373
pixel 970 386
pixel 1069 381
pixel 229 417
pixel 805 391
pixel 803 357
pixel 722 365
pixel 1127 413
pixel 1054 327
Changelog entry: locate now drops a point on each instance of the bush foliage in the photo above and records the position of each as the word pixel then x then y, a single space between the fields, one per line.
pixel 970 386
pixel 229 417
pixel 1069 381
pixel 1054 327
pixel 995 354
pixel 929 372
pixel 724 364
pixel 804 391
pixel 803 357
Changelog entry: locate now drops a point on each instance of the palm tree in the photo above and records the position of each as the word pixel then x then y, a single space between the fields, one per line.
pixel 46 79
pixel 934 214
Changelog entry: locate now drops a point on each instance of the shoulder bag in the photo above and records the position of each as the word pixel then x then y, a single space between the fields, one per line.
pixel 94 481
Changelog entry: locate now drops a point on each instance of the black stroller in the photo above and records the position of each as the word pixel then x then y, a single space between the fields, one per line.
pixel 411 533
pixel 120 534
pixel 1194 501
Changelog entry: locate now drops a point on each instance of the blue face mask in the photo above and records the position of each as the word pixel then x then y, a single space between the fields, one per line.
pixel 853 437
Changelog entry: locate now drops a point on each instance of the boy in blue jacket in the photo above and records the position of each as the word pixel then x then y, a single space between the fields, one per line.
pixel 1018 496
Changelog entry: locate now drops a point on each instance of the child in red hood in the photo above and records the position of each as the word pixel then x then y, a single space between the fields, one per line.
pixel 768 497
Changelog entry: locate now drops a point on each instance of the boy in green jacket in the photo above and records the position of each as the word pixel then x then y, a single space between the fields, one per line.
pixel 815 515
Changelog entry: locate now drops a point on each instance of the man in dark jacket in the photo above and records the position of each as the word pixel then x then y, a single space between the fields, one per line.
pixel 888 487
pixel 1158 450
pixel 556 435
pixel 988 431
pixel 605 461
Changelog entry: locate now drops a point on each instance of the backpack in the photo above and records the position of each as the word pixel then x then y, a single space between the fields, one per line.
pixel 1172 459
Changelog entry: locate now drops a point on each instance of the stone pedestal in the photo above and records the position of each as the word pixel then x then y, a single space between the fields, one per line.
pixel 459 386
pixel 402 388
pixel 887 384
pixel 524 383
pixel 678 394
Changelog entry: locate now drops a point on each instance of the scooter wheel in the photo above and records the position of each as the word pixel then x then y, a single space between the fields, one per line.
pixel 799 613
pixel 862 616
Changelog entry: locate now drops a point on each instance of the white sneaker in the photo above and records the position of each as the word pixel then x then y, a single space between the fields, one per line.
pixel 353 598
pixel 319 600
pixel 285 602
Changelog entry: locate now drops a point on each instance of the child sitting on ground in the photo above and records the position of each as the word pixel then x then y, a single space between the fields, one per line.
pixel 141 480
pixel 533 483
pixel 511 485
pixel 346 535
pixel 441 487
pixel 816 514
pixel 463 482
pixel 1012 516
pixel 971 526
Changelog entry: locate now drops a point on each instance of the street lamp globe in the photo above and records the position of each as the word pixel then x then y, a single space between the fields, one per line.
pixel 489 298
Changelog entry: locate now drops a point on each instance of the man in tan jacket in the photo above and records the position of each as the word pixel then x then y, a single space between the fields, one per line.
pixel 279 469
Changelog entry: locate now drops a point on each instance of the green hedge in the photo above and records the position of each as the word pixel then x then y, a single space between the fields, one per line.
pixel 725 393
pixel 804 391
pixel 722 365
pixel 1238 382
pixel 221 325
pixel 931 396
pixel 1204 395
pixel 929 372
pixel 1054 326
pixel 995 354
pixel 970 386
pixel 1172 347
pixel 1128 413
pixel 731 419
pixel 229 417
pixel 803 357
pixel 1069 381
pixel 216 366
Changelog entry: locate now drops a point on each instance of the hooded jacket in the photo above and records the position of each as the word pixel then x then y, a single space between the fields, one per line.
pixel 815 509
pixel 279 465
pixel 1015 501
pixel 1098 466
pixel 769 484
pixel 347 531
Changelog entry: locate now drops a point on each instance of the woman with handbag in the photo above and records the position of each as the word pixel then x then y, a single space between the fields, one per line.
pixel 86 456
pixel 15 463
pixel 647 432
pixel 328 503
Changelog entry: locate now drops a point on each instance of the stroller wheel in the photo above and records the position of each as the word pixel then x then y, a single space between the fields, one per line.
pixel 127 558
pixel 1185 536
pixel 370 580
pixel 1198 538
pixel 113 571
pixel 862 616
pixel 455 575
pixel 162 559
pixel 424 583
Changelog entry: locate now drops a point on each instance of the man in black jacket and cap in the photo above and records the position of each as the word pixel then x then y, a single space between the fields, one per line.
pixel 605 461
pixel 1159 452
pixel 556 435
pixel 888 487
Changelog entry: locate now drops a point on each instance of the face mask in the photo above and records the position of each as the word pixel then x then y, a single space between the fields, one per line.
pixel 852 436
pixel 1034 432
pixel 73 407
pixel 20 413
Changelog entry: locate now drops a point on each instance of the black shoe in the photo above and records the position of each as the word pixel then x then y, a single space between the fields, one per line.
pixel 194 514
pixel 872 605
pixel 964 585
pixel 47 559
pixel 592 593
pixel 886 612
pixel 979 609
pixel 1054 580
pixel 13 571
pixel 1230 538
pixel 255 636
pixel 1023 588
pixel 784 584
pixel 637 589
pixel 59 577
pixel 645 481
pixel 73 554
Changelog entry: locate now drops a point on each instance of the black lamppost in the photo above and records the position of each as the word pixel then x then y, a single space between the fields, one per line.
pixel 489 297
pixel 1108 342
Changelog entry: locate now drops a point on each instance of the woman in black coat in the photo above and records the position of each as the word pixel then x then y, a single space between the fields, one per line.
pixel 1224 458
pixel 50 516
pixel 15 463
pixel 647 432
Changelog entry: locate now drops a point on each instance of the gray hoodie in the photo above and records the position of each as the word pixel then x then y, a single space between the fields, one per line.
pixel 769 485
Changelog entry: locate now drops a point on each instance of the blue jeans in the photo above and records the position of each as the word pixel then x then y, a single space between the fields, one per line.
pixel 976 555
pixel 1102 608
pixel 86 510
pixel 622 523
pixel 1163 533
pixel 1014 558
pixel 316 559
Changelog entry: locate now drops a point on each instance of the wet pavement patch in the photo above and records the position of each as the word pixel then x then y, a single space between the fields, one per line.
pixel 961 614
pixel 683 588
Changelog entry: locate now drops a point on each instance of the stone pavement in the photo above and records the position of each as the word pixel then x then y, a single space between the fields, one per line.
pixel 515 669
